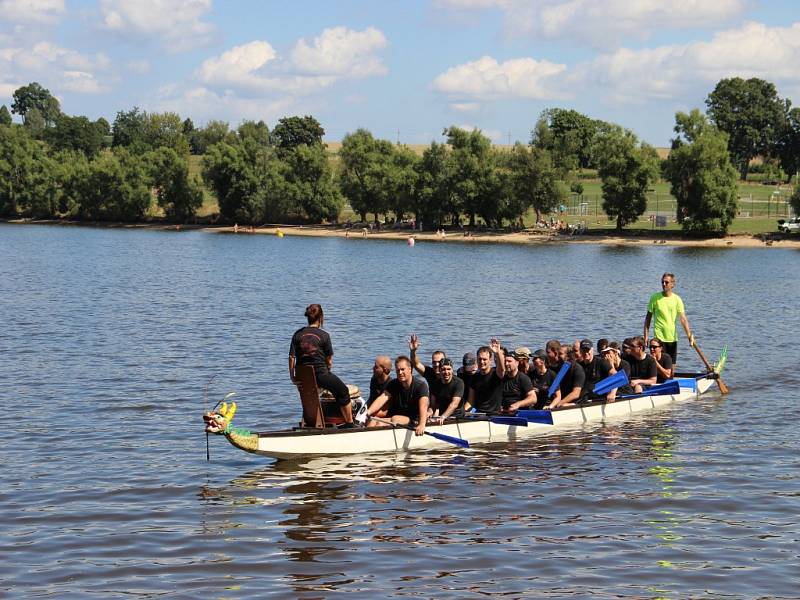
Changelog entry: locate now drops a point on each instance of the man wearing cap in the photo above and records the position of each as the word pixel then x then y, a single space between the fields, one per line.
pixel 448 401
pixel 484 391
pixel 541 377
pixel 381 376
pixel 665 307
pixel 405 399
pixel 468 366
pixel 431 374
pixel 612 354
pixel 524 356
pixel 594 367
pixel 516 388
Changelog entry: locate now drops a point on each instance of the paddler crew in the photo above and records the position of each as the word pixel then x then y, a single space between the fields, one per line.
pixel 663 360
pixel 431 374
pixel 516 388
pixel 664 308
pixel 595 369
pixel 381 376
pixel 643 366
pixel 405 399
pixel 572 385
pixel 311 345
pixel 541 377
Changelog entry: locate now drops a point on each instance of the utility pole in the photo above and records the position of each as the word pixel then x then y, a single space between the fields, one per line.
pixel 398 137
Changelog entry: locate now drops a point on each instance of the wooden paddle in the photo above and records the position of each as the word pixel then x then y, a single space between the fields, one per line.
pixel 439 436
pixel 722 387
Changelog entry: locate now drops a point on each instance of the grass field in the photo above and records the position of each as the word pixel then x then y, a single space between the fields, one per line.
pixel 760 206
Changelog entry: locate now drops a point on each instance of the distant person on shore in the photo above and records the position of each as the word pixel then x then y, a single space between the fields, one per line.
pixel 311 345
pixel 405 399
pixel 664 308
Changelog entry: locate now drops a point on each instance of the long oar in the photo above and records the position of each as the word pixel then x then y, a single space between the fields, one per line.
pixel 662 389
pixel 439 436
pixel 722 387
pixel 501 420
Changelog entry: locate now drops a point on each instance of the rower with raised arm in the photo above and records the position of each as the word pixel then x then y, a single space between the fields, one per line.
pixel 405 399
pixel 431 374
pixel 663 309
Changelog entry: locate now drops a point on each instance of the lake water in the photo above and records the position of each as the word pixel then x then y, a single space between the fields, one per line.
pixel 110 336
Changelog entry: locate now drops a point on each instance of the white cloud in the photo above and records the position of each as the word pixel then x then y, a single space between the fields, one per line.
pixel 753 50
pixel 493 134
pixel 487 79
pixel 31 11
pixel 465 106
pixel 256 68
pixel 342 52
pixel 60 67
pixel 603 22
pixel 205 104
pixel 178 23
pixel 140 67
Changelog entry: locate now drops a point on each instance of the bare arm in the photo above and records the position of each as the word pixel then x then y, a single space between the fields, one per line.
pixel 499 358
pixel 451 408
pixel 378 404
pixel 291 369
pixel 647 319
pixel 528 400
pixel 687 329
pixel 470 400
pixel 413 346
pixel 424 402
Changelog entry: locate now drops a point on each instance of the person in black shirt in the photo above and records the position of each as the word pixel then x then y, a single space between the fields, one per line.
pixel 449 397
pixel 407 396
pixel 524 355
pixel 468 366
pixel 381 376
pixel 595 368
pixel 312 346
pixel 617 363
pixel 663 360
pixel 516 388
pixel 541 378
pixel 572 385
pixel 484 390
pixel 643 367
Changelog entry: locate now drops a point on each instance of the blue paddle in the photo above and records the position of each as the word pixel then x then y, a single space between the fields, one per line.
pixel 502 420
pixel 537 416
pixel 557 381
pixel 616 380
pixel 662 389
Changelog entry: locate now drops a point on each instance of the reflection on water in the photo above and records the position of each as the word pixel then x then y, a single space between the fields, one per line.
pixel 111 335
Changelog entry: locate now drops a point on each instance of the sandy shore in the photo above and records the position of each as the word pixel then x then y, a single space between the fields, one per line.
pixel 529 237
pixel 637 237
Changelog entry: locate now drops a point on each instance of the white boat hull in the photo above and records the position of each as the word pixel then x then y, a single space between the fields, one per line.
pixel 302 443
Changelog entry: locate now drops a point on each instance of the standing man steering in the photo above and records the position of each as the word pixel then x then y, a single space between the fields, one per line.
pixel 665 307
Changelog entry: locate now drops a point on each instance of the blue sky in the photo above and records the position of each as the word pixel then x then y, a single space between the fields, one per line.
pixel 403 70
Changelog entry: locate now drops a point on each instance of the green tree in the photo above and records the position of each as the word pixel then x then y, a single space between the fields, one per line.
pixel 165 130
pixel 34 96
pixel 28 186
pixel 291 132
pixel 112 187
pixel 5 116
pixel 473 178
pixel 567 135
pixel 213 133
pixel 257 132
pixel 35 123
pixel 176 194
pixel 701 176
pixel 753 116
pixel 626 169
pixel 128 129
pixel 310 184
pixel 434 198
pixel 364 165
pixel 789 144
pixel 76 133
pixel 534 180
pixel 402 180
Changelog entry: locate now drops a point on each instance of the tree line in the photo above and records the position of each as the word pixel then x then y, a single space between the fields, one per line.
pixel 59 166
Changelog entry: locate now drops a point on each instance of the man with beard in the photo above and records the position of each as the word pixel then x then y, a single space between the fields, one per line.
pixel 516 388
pixel 407 397
pixel 484 392
pixel 448 401
pixel 643 366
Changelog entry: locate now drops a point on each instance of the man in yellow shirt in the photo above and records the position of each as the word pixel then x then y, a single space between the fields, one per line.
pixel 664 308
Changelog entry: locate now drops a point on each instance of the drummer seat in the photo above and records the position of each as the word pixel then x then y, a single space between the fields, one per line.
pixel 317 413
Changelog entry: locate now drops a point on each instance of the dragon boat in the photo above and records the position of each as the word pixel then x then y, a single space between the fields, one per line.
pixel 312 438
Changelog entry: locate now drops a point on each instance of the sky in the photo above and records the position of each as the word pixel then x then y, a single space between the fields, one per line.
pixel 404 70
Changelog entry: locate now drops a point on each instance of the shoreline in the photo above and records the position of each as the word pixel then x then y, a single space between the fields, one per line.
pixel 526 237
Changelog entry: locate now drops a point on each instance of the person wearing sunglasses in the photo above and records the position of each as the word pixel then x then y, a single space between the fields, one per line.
pixel 664 309
pixel 431 374
pixel 663 360
pixel 643 366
